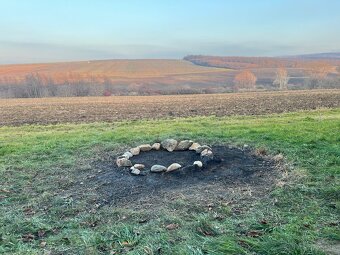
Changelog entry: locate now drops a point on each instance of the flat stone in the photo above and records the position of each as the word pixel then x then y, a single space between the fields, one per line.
pixel 145 147
pixel 135 171
pixel 128 155
pixel 198 163
pixel 169 144
pixel 184 145
pixel 139 166
pixel 158 168
pixel 156 146
pixel 135 151
pixel 123 162
pixel 194 146
pixel 202 148
pixel 173 167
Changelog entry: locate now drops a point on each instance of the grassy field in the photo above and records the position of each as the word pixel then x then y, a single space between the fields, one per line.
pixel 43 166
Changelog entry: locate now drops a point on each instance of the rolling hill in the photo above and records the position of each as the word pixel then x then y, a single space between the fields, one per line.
pixel 116 70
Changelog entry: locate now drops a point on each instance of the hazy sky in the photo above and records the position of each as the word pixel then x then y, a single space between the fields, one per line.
pixel 48 30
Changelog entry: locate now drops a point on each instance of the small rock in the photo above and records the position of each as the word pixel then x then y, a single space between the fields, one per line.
pixel 173 167
pixel 158 168
pixel 122 161
pixel 156 146
pixel 127 155
pixel 194 146
pixel 139 166
pixel 135 151
pixel 169 144
pixel 246 146
pixel 278 157
pixel 135 171
pixel 145 147
pixel 202 148
pixel 207 153
pixel 198 163
pixel 184 145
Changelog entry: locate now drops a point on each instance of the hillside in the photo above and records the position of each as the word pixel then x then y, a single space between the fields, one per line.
pixel 235 62
pixel 111 69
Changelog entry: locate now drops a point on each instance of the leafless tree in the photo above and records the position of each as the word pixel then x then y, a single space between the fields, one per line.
pixel 281 79
pixel 318 71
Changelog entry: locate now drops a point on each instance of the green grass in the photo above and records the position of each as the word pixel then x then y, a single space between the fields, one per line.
pixel 39 163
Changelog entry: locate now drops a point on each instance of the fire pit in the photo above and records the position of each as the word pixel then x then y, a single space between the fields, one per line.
pixel 200 156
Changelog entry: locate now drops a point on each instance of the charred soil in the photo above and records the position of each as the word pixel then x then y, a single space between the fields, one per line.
pixel 232 170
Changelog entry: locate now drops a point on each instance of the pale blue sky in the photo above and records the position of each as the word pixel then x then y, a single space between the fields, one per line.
pixel 64 30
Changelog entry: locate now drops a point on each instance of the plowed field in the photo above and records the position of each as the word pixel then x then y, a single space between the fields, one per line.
pixel 94 109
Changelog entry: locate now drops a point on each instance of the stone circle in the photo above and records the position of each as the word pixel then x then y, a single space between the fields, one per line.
pixel 205 151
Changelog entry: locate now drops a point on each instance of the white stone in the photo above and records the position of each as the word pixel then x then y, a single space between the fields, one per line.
pixel 127 155
pixel 202 148
pixel 135 151
pixel 145 147
pixel 156 146
pixel 173 167
pixel 206 153
pixel 158 168
pixel 122 161
pixel 194 146
pixel 198 163
pixel 135 171
pixel 139 166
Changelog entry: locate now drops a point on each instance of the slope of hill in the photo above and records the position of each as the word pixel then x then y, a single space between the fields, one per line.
pixel 111 69
pixel 258 62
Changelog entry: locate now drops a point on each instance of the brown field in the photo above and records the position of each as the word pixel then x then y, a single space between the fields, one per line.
pixel 110 109
pixel 117 70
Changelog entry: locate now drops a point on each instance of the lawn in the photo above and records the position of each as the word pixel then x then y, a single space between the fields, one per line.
pixel 39 164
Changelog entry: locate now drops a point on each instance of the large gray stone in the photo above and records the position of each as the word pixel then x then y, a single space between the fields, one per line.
pixel 156 146
pixel 135 151
pixel 169 144
pixel 158 168
pixel 123 162
pixel 184 145
pixel 128 155
pixel 145 147
pixel 202 148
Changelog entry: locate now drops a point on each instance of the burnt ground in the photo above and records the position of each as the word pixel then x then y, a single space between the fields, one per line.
pixel 236 172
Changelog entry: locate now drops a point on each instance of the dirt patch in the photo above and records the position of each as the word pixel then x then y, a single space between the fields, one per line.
pixel 234 169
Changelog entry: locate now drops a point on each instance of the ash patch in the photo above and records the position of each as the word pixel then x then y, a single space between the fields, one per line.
pixel 234 168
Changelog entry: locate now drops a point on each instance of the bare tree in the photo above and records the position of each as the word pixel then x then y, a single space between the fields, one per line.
pixel 318 71
pixel 282 78
pixel 34 85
